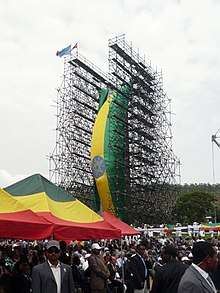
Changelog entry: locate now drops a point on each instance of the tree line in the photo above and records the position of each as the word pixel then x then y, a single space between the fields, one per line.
pixel 197 202
pixel 184 204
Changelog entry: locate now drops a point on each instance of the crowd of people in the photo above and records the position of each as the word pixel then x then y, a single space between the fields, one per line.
pixel 134 265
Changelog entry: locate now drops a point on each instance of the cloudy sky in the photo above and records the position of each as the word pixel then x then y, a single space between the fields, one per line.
pixel 179 36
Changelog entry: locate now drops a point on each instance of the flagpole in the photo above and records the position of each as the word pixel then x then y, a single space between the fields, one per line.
pixel 77 53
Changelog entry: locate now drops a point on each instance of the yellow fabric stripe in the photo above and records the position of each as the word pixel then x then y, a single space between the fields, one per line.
pixel 97 149
pixel 74 211
pixel 8 204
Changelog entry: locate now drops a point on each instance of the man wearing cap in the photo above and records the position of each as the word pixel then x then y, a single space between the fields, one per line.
pixel 196 278
pixel 52 276
pixel 99 272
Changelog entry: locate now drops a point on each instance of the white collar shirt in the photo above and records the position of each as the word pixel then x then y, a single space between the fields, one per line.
pixel 205 275
pixel 56 270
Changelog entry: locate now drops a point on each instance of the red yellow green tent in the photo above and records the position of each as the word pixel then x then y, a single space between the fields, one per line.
pixel 71 218
pixel 16 221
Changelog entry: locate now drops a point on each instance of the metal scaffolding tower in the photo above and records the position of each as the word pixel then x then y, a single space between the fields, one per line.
pixel 77 104
pixel 151 166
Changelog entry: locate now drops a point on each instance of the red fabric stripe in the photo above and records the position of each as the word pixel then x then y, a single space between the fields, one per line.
pixel 81 231
pixel 24 225
pixel 118 224
pixel 28 225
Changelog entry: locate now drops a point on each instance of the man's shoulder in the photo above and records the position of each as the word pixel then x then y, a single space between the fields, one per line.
pixel 45 265
pixel 190 282
pixel 135 256
pixel 136 260
pixel 93 257
pixel 189 274
pixel 176 265
pixel 65 266
pixel 40 267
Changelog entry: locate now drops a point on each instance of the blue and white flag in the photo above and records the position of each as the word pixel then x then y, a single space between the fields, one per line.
pixel 65 51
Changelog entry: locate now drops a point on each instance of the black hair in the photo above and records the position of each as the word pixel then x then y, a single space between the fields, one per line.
pixel 23 260
pixel 76 260
pixel 201 250
pixel 170 250
pixel 139 245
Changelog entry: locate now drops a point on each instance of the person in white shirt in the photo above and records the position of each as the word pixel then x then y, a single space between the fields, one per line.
pixel 196 278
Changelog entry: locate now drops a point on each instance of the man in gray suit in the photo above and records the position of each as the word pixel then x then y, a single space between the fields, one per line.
pixel 52 276
pixel 196 278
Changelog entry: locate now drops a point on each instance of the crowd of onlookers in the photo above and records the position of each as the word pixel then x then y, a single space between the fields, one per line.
pixel 18 258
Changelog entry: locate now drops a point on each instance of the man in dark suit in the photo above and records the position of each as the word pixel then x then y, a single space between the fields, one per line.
pixel 215 275
pixel 167 278
pixel 196 278
pixel 52 276
pixel 138 270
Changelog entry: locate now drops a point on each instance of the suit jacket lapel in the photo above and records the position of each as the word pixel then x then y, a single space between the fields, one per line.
pixel 202 280
pixel 62 271
pixel 141 262
pixel 49 270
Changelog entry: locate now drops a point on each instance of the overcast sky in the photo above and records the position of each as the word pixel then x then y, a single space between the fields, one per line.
pixel 182 37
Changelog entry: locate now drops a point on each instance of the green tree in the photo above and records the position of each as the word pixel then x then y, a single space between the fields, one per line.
pixel 194 206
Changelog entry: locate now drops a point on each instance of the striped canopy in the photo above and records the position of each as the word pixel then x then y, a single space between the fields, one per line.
pixel 210 227
pixel 71 218
pixel 16 221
